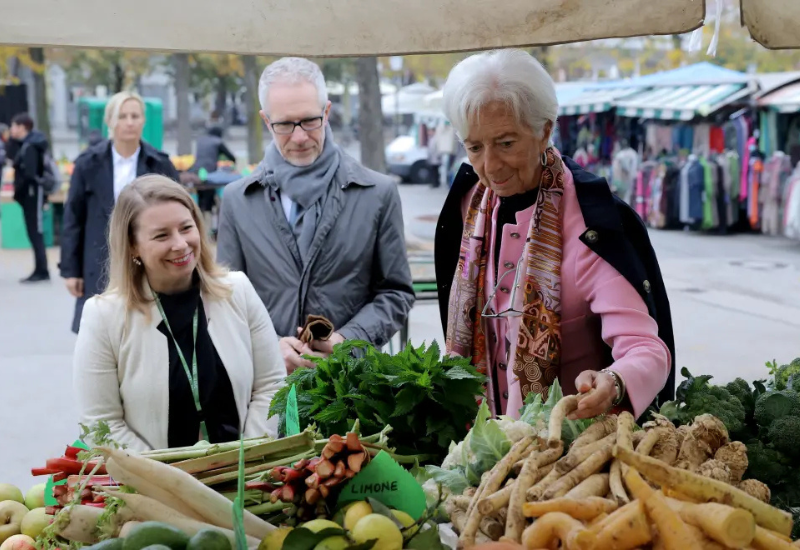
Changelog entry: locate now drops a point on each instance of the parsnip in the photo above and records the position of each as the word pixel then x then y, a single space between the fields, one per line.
pixel 597 431
pixel 566 405
pixel 615 483
pixel 706 490
pixel 585 509
pixel 732 527
pixel 625 529
pixel 596 485
pixel 499 499
pixel 577 456
pixel 557 526
pixel 515 523
pixel 590 466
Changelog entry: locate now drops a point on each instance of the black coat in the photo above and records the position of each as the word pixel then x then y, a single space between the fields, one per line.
pixel 209 149
pixel 84 243
pixel 29 165
pixel 621 240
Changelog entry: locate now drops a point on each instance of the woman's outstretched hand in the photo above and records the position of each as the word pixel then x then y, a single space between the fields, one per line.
pixel 597 391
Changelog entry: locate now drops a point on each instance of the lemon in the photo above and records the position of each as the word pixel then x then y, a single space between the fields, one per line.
pixel 274 540
pixel 355 512
pixel 375 526
pixel 406 521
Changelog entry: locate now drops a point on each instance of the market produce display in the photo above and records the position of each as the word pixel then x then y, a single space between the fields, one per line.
pixel 427 399
pixel 615 486
pixel 765 416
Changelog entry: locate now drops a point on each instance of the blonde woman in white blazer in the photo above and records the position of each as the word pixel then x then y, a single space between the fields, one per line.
pixel 177 349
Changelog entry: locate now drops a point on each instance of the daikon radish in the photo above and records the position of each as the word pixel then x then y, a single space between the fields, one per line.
pixel 150 489
pixel 212 506
pixel 78 523
pixel 148 509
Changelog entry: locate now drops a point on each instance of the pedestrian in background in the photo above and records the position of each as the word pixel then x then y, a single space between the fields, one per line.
pixel 28 190
pixel 101 172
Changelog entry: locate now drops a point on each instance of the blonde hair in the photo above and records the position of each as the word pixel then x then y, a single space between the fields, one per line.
pixel 115 104
pixel 126 278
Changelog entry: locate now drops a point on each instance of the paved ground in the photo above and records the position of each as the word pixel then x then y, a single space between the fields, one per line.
pixel 735 300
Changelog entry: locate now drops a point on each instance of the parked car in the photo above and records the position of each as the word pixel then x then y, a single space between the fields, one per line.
pixel 409 161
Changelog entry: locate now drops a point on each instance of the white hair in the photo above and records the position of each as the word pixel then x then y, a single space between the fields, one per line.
pixel 511 76
pixel 111 115
pixel 292 70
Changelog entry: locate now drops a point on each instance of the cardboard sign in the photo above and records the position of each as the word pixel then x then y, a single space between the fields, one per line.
pixel 386 481
pixel 49 499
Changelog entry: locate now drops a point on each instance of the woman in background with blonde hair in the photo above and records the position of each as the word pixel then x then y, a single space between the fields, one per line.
pixel 177 349
pixel 100 174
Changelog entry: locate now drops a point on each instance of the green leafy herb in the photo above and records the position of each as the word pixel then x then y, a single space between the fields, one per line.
pixel 426 540
pixel 428 399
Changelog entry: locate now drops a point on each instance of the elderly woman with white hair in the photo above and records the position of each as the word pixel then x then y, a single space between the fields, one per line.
pixel 99 175
pixel 542 272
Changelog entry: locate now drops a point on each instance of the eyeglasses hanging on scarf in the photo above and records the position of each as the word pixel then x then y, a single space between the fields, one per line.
pixel 510 311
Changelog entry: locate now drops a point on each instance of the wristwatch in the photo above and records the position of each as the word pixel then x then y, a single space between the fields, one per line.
pixel 619 384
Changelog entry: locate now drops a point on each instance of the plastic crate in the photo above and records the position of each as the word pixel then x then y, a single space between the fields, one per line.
pixel 12 227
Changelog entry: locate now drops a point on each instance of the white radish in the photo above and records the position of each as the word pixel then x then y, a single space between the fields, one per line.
pixel 78 523
pixel 213 507
pixel 150 489
pixel 148 509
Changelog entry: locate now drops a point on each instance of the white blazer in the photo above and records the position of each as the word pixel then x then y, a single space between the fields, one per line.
pixel 121 364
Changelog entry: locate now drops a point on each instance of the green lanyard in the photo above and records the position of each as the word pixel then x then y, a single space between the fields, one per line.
pixel 190 374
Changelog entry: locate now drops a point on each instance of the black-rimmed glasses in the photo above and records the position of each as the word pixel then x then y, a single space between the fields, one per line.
pixel 307 124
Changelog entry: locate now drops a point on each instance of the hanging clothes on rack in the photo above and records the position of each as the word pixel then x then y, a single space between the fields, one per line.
pixel 709 196
pixel 777 171
pixel 734 170
pixel 791 215
pixel 623 170
pixel 754 188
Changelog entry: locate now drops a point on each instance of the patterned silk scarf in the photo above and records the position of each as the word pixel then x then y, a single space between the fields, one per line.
pixel 536 349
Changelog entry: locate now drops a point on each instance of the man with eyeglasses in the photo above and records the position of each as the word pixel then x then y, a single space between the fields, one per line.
pixel 316 232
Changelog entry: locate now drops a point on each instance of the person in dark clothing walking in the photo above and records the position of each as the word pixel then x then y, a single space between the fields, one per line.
pixel 28 192
pixel 209 148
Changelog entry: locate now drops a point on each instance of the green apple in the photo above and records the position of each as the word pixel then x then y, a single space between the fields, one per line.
pixel 35 521
pixel 11 515
pixel 18 542
pixel 35 497
pixel 10 492
pixel 317 525
pixel 381 528
pixel 333 543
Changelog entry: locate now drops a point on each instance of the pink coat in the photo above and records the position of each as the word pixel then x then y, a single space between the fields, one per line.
pixel 599 310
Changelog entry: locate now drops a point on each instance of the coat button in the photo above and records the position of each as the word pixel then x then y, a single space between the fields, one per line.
pixel 505 395
pixel 515 235
pixel 504 290
pixel 647 286
pixel 591 236
pixel 508 265
pixel 502 366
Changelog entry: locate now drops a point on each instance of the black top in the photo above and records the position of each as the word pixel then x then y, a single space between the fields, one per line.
pixel 507 213
pixel 216 392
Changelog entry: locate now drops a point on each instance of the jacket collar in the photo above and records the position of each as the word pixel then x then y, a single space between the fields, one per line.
pixel 593 192
pixel 350 172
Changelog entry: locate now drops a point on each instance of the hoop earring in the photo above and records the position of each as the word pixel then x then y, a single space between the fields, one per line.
pixel 137 261
pixel 544 159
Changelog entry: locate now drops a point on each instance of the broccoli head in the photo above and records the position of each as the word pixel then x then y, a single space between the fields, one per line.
pixel 742 391
pixel 773 405
pixel 784 434
pixel 766 465
pixel 719 402
pixel 782 374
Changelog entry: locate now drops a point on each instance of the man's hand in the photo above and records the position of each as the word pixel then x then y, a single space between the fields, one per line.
pixel 326 347
pixel 602 392
pixel 75 286
pixel 293 350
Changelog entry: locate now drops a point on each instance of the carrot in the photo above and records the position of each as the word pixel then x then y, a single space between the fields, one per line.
pixel 557 526
pixel 209 504
pixel 767 540
pixel 598 430
pixel 148 509
pixel 732 527
pixel 585 509
pixel 491 484
pixel 566 405
pixel 590 466
pixel 149 489
pixel 577 456
pixel 707 489
pixel 78 523
pixel 595 485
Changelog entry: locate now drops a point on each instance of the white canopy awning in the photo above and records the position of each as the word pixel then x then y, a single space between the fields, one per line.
pixel 681 102
pixel 336 28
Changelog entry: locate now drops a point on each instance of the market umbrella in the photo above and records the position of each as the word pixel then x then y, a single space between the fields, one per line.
pixel 336 28
pixel 773 23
